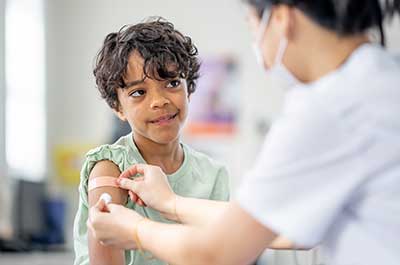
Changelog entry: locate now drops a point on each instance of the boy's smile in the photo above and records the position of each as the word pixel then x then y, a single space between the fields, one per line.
pixel 164 119
pixel 155 109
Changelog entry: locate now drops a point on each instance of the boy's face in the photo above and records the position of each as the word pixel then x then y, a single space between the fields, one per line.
pixel 155 110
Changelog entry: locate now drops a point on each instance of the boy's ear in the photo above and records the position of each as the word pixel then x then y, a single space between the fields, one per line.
pixel 120 113
pixel 189 95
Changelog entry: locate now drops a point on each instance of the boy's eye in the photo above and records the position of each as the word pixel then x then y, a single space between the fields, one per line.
pixel 173 83
pixel 137 93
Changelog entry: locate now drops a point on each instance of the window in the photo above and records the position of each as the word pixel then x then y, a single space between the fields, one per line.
pixel 25 89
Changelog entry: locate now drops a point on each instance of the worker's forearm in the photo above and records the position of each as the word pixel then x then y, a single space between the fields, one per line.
pixel 207 210
pixel 197 211
pixel 219 241
pixel 283 243
pixel 174 243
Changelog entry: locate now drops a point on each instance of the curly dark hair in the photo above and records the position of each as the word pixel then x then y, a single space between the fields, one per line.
pixel 160 45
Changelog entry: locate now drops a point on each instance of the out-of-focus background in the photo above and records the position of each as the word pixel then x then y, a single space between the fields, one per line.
pixel 51 112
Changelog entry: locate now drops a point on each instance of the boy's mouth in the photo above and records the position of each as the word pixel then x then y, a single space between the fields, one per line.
pixel 165 118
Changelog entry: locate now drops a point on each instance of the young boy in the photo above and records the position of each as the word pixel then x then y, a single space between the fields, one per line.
pixel 146 73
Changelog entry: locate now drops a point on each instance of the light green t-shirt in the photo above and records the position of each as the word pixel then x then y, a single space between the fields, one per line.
pixel 199 177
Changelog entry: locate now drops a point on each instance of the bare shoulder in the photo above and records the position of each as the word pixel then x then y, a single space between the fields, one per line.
pixel 105 168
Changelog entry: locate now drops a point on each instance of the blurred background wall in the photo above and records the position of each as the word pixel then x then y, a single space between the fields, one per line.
pixel 76 118
pixel 2 109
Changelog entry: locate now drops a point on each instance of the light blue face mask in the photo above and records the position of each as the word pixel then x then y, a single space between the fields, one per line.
pixel 278 69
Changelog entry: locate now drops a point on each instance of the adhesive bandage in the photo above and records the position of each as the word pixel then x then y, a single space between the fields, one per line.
pixel 102 182
pixel 106 181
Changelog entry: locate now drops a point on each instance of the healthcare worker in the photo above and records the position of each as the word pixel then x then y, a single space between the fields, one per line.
pixel 329 171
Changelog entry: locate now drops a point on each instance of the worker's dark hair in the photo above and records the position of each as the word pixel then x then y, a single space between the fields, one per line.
pixel 345 17
pixel 166 52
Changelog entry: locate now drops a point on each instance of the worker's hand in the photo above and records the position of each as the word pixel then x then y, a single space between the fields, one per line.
pixel 152 187
pixel 113 225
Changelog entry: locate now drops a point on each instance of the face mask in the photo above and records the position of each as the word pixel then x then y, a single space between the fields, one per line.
pixel 278 69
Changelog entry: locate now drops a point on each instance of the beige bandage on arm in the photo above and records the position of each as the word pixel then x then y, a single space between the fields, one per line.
pixel 104 181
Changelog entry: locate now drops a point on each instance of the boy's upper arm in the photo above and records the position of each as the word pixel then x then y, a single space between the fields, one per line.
pixel 99 254
pixel 106 168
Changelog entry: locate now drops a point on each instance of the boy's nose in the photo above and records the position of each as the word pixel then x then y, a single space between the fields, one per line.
pixel 159 101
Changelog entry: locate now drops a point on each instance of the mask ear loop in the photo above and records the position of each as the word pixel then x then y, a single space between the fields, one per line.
pixel 283 43
pixel 263 24
pixel 259 36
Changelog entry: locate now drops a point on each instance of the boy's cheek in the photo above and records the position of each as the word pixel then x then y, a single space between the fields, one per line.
pixel 184 112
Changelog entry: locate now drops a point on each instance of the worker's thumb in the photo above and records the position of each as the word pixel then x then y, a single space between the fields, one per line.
pixel 129 184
